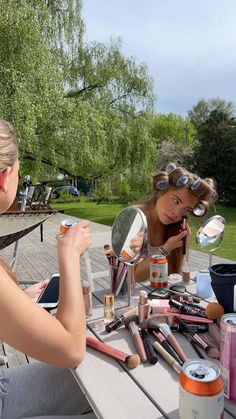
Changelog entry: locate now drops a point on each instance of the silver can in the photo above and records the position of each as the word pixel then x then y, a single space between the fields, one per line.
pixel 201 394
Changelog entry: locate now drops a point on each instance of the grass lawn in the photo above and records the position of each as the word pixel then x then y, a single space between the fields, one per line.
pixel 105 213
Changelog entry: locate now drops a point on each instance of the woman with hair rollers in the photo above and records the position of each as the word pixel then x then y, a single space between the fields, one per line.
pixel 176 194
pixel 42 389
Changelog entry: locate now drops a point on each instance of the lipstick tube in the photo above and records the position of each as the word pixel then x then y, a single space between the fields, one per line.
pixel 167 346
pixel 114 324
pixel 134 331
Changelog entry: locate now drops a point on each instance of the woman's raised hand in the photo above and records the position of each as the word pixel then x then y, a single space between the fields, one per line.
pixel 176 241
pixel 136 242
pixel 76 240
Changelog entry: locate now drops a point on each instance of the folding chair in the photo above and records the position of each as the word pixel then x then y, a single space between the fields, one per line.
pixel 40 199
pixel 16 223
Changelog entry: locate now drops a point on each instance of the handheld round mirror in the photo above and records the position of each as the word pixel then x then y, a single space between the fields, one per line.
pixel 129 222
pixel 211 234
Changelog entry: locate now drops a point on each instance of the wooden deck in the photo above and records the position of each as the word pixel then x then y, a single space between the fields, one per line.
pixel 37 260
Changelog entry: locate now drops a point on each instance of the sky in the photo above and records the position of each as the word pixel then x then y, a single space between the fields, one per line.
pixel 189 46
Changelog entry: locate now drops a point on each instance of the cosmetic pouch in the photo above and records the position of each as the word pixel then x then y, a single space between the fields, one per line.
pixel 223 282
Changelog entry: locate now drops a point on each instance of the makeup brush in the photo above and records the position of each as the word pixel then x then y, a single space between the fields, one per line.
pixel 211 351
pixel 131 361
pixel 167 346
pixel 184 238
pixel 194 345
pixel 188 317
pixel 214 331
pixel 151 356
pixel 167 357
pixel 214 311
pixel 165 330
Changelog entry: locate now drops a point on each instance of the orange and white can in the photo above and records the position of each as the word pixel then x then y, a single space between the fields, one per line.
pixel 201 393
pixel 66 225
pixel 158 271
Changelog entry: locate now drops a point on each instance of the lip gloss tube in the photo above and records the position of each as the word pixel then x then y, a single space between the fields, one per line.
pixel 134 330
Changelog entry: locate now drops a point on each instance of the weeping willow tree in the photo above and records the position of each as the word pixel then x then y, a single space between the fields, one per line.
pixel 78 108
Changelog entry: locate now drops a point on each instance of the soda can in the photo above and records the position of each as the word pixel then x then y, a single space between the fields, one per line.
pixel 158 271
pixel 201 393
pixel 66 225
pixel 228 354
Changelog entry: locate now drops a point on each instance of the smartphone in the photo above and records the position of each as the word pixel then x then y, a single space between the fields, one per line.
pixel 50 295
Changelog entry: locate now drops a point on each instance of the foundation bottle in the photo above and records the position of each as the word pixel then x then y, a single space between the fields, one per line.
pixel 185 270
pixel 143 307
pixel 87 294
pixel 109 307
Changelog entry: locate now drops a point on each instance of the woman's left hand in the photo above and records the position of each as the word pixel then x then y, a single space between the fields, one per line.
pixel 34 291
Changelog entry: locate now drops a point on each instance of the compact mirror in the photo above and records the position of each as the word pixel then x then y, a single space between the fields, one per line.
pixel 211 234
pixel 129 222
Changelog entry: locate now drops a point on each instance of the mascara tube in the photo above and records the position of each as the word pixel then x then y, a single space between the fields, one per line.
pixel 184 238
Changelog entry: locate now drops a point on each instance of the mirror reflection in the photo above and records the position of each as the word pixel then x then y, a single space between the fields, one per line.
pixel 211 233
pixel 129 234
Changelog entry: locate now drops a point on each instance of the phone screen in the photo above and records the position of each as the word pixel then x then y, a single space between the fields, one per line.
pixel 50 294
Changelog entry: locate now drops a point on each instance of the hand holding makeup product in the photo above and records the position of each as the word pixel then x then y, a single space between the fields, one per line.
pixel 131 361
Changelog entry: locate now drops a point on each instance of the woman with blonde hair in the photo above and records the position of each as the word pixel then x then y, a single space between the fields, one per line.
pixel 176 193
pixel 41 389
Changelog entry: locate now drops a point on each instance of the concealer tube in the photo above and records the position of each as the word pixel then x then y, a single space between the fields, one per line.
pixel 167 357
pixel 134 331
pixel 143 307
pixel 87 295
pixel 165 330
